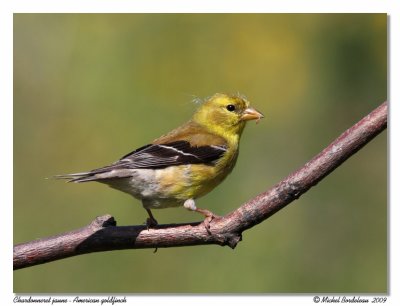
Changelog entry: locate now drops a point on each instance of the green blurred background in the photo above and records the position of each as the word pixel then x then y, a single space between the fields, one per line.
pixel 89 88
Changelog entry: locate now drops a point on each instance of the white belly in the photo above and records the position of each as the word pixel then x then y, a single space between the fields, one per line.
pixel 143 184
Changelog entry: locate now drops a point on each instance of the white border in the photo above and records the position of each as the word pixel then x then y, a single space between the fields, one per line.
pixel 7 8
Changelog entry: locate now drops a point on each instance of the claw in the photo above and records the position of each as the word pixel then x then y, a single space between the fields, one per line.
pixel 209 216
pixel 151 221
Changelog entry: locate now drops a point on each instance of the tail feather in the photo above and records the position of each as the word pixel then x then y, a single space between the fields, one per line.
pixel 100 174
pixel 77 177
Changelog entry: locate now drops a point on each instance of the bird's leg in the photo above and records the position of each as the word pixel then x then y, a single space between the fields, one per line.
pixel 151 221
pixel 191 205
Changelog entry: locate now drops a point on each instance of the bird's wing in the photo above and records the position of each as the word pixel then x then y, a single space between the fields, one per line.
pixel 188 144
pixel 153 156
pixel 157 156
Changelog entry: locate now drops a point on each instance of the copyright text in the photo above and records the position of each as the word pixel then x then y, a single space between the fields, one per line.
pixel 350 300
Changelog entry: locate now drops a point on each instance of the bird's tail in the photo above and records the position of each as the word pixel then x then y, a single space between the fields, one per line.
pixel 76 177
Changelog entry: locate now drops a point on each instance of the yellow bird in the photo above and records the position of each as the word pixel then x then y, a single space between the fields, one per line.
pixel 184 164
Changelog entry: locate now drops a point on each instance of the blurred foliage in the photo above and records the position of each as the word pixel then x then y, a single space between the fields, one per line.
pixel 89 88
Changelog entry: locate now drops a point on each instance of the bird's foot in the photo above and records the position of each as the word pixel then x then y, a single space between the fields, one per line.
pixel 209 217
pixel 150 221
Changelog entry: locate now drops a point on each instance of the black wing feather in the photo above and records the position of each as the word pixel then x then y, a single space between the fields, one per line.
pixel 158 156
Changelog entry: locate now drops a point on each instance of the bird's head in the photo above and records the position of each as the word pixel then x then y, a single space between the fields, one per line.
pixel 226 113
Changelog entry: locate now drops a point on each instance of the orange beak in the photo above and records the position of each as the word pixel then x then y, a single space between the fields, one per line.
pixel 251 114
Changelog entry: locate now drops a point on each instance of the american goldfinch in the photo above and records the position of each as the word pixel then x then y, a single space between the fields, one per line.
pixel 184 164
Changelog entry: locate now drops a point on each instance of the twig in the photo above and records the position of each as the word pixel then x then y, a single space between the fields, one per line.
pixel 103 234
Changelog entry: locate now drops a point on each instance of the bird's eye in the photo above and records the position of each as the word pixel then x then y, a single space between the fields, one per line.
pixel 230 107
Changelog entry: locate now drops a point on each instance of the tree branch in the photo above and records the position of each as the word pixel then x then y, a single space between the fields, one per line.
pixel 103 234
